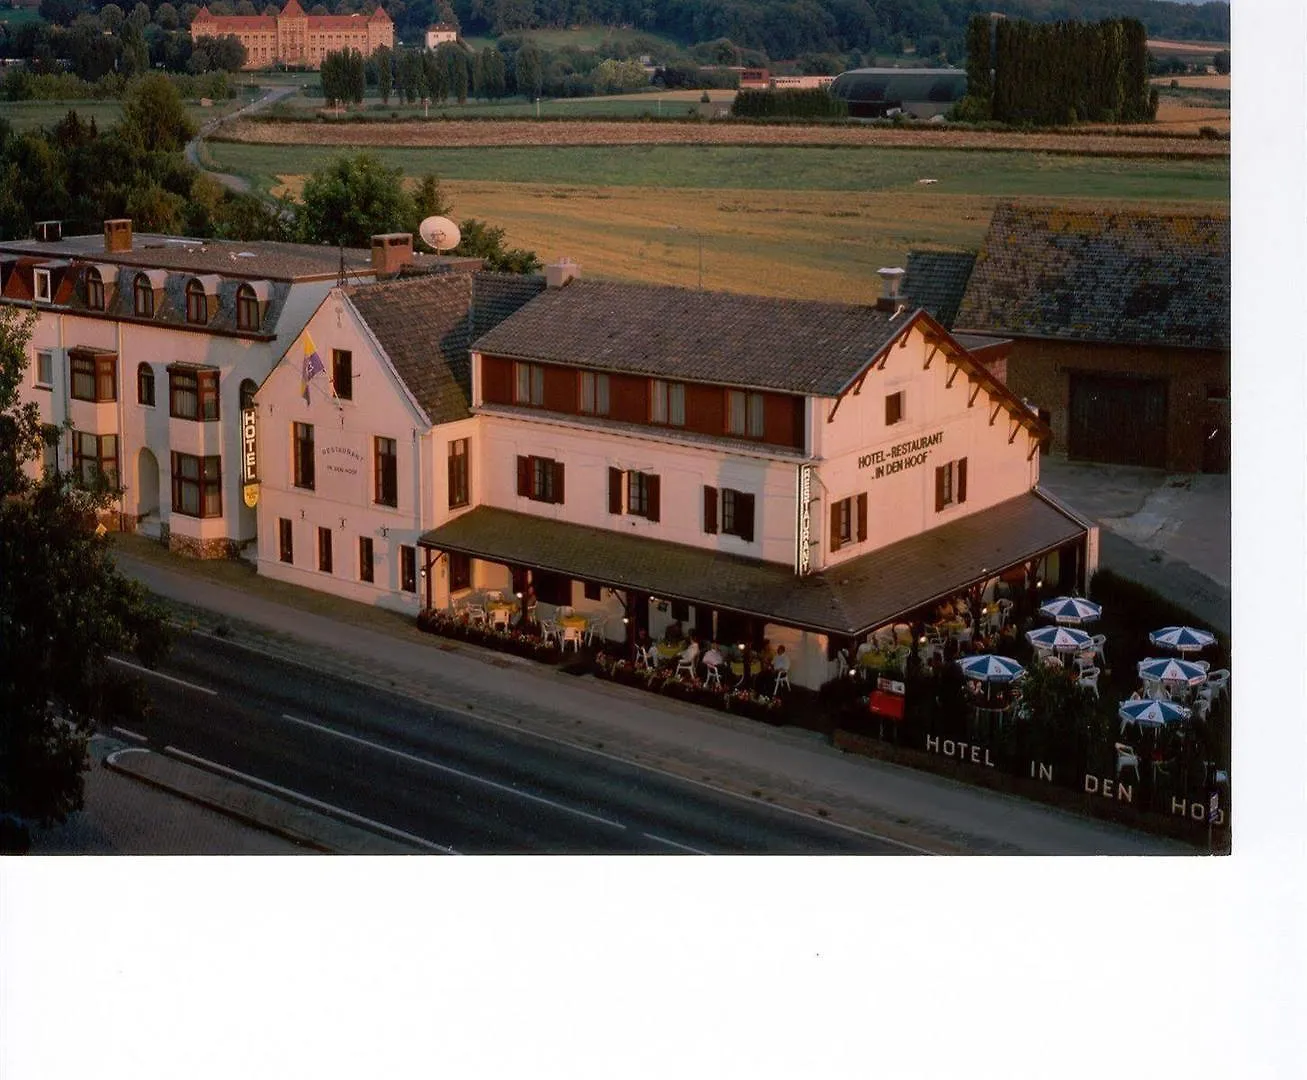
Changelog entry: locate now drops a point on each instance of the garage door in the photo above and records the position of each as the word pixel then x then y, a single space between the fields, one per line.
pixel 1118 420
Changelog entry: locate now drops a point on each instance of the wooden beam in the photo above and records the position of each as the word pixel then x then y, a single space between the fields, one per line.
pixel 998 407
pixel 857 386
pixel 1035 444
pixel 836 409
pixel 953 374
pixel 976 386
pixel 1016 426
pixel 934 348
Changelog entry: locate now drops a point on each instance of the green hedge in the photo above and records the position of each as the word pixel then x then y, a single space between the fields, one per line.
pixel 805 103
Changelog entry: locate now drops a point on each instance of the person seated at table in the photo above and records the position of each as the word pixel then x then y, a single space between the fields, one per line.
pixel 780 662
pixel 674 634
pixel 691 651
pixel 713 657
pixel 864 648
pixel 644 645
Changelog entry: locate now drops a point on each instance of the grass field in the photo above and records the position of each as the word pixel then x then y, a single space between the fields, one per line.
pixel 303 107
pixel 19 16
pixel 25 115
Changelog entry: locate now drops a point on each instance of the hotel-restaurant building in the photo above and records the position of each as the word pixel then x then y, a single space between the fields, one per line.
pixel 754 467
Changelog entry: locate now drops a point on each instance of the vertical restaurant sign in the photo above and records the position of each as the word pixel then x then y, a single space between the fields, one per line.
pixel 803 532
pixel 250 456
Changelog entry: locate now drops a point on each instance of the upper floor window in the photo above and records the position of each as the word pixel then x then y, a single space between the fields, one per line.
pixel 594 393
pixel 143 297
pixel 667 403
pixel 540 479
pixel 303 448
pixel 951 484
pixel 95 456
pixel 192 394
pixel 45 369
pixel 145 384
pixel 385 472
pixel 342 373
pixel 247 308
pixel 197 303
pixel 458 474
pixel 94 290
pixel 94 376
pixel 529 388
pixel 893 408
pixel 744 414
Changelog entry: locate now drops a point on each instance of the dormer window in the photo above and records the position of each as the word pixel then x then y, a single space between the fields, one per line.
pixel 247 308
pixel 41 289
pixel 94 290
pixel 197 303
pixel 143 297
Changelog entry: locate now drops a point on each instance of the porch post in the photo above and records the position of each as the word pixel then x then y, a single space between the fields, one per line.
pixel 426 567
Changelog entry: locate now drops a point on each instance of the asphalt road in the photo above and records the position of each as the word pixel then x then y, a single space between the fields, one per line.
pixel 440 776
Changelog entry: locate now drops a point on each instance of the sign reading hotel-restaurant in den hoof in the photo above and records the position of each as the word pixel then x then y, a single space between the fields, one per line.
pixel 250 456
pixel 900 456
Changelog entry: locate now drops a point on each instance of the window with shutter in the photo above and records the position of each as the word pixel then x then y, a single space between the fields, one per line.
pixel 841 524
pixel 862 516
pixel 637 494
pixel 939 487
pixel 744 516
pixel 524 476
pixel 653 491
pixel 614 491
pixel 962 480
pixel 951 484
pixel 709 509
pixel 893 408
pixel 558 481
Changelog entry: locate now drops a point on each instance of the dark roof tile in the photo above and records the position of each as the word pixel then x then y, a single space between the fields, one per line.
pixel 936 281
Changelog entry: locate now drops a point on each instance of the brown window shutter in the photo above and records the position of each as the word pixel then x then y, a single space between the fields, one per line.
pixel 450 461
pixel 744 515
pixel 862 516
pixel 709 509
pixel 962 481
pixel 834 526
pixel 939 488
pixel 558 481
pixel 523 475
pixel 653 487
pixel 614 491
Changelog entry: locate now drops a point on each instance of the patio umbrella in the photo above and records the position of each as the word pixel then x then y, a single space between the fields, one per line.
pixel 1172 671
pixel 1071 610
pixel 1152 713
pixel 1059 639
pixel 991 669
pixel 1182 639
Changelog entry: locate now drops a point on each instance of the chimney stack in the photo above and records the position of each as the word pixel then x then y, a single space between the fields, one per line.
pixel 558 274
pixel 118 234
pixel 892 279
pixel 391 252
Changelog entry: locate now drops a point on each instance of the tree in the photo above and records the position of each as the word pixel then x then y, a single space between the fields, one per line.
pixel 64 609
pixel 529 70
pixel 165 15
pixel 429 201
pixel 154 115
pixel 1221 62
pixel 385 73
pixel 350 200
pixel 112 17
pixel 140 16
pixel 481 240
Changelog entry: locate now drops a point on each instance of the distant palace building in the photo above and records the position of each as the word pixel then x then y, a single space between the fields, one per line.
pixel 294 38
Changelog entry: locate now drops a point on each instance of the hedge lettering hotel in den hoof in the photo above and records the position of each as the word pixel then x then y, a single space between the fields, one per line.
pixel 754 467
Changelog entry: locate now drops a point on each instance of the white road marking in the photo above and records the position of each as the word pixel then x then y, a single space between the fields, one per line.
pixel 376 826
pixel 161 675
pixel 673 843
pixel 454 772
pixel 131 734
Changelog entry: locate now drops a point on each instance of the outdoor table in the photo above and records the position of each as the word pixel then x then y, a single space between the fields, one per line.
pixel 500 608
pixel 573 622
pixel 668 652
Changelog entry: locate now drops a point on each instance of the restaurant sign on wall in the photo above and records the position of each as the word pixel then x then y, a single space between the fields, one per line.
pixel 900 456
pixel 250 457
pixel 803 532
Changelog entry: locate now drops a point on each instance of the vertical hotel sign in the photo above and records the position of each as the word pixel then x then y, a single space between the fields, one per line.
pixel 250 456
pixel 803 530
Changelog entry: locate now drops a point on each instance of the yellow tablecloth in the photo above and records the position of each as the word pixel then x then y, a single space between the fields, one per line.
pixel 500 605
pixel 573 622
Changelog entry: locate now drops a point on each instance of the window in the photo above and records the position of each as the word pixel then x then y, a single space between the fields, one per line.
pixel 365 558
pixel 192 394
pixel 248 389
pixel 893 408
pixel 594 393
pixel 540 479
pixel 592 590
pixel 41 285
pixel 460 571
pixel 197 303
pixel 530 384
pixel 841 524
pixel 667 403
pixel 247 308
pixel 951 484
pixel 342 373
pixel 94 290
pixel 458 487
pixel 45 369
pixel 143 297
pixel 93 456
pixel 145 385
pixel 197 485
pixel 285 540
pixel 324 549
pixel 643 495
pixel 385 467
pixel 302 436
pixel 95 376
pixel 744 414
pixel 49 449
pixel 737 514
pixel 408 568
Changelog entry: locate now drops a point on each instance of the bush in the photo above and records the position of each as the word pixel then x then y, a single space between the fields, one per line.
pixel 789 103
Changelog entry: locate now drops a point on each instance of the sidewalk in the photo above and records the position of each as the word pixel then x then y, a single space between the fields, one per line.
pixel 787 767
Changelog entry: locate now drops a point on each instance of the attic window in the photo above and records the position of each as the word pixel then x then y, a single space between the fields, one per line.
pixel 94 290
pixel 197 303
pixel 143 296
pixel 41 285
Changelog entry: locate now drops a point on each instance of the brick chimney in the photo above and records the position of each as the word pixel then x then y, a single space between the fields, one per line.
pixel 118 234
pixel 558 274
pixel 391 252
pixel 891 295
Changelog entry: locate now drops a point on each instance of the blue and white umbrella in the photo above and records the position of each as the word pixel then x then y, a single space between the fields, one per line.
pixel 991 669
pixel 1182 639
pixel 1172 671
pixel 1152 713
pixel 1059 639
pixel 1071 610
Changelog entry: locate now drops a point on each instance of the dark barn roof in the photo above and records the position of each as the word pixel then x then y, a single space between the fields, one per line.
pixel 942 85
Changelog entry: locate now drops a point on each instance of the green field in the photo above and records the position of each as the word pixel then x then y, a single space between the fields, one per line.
pixel 585 37
pixel 631 106
pixel 19 16
pixel 991 174
pixel 25 115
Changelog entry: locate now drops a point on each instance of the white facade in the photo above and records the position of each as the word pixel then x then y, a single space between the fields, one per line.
pixel 440 35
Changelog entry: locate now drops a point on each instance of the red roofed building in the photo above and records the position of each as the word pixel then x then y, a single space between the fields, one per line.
pixel 294 38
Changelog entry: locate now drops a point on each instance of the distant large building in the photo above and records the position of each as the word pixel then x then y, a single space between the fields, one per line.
pixel 294 38
pixel 919 92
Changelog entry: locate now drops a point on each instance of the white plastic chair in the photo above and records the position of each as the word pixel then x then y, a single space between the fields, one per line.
pixel 549 631
pixel 594 628
pixel 500 618
pixel 1219 681
pixel 1204 664
pixel 1126 758
pixel 781 665
pixel 475 614
pixel 1099 642
pixel 686 660
pixel 713 678
pixel 1089 679
pixel 643 658
pixel 572 634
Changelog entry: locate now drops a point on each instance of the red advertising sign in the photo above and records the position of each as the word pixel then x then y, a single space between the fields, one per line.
pixel 883 704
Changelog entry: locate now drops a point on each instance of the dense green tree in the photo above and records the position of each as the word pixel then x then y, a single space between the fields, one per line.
pixel 429 201
pixel 140 15
pixel 64 610
pixel 351 199
pixel 384 59
pixel 485 241
pixel 1221 62
pixel 529 70
pixel 489 77
pixel 167 16
pixel 112 17
pixel 155 116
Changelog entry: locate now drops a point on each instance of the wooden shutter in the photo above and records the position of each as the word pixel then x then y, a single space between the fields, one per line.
pixel 524 476
pixel 744 515
pixel 653 492
pixel 862 516
pixel 614 491
pixel 939 488
pixel 709 509
pixel 558 481
pixel 834 526
pixel 962 481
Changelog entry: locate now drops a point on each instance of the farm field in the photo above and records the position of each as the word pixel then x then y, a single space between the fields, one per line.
pixel 26 115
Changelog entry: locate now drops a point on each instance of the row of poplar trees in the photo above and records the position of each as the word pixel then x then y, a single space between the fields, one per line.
pixel 414 74
pixel 1059 73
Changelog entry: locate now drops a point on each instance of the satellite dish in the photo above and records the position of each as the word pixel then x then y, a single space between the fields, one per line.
pixel 439 234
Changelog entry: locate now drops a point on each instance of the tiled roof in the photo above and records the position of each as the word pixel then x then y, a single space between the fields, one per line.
pixel 1125 277
pixel 850 599
pixel 936 281
pixel 497 296
pixel 800 346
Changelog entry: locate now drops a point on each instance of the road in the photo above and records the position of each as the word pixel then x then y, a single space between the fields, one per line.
pixel 437 775
pixel 233 183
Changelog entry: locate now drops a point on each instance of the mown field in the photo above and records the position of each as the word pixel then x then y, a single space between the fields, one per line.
pixel 26 115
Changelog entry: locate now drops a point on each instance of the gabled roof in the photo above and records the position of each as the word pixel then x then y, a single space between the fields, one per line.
pixel 936 281
pixel 663 331
pixel 1120 277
